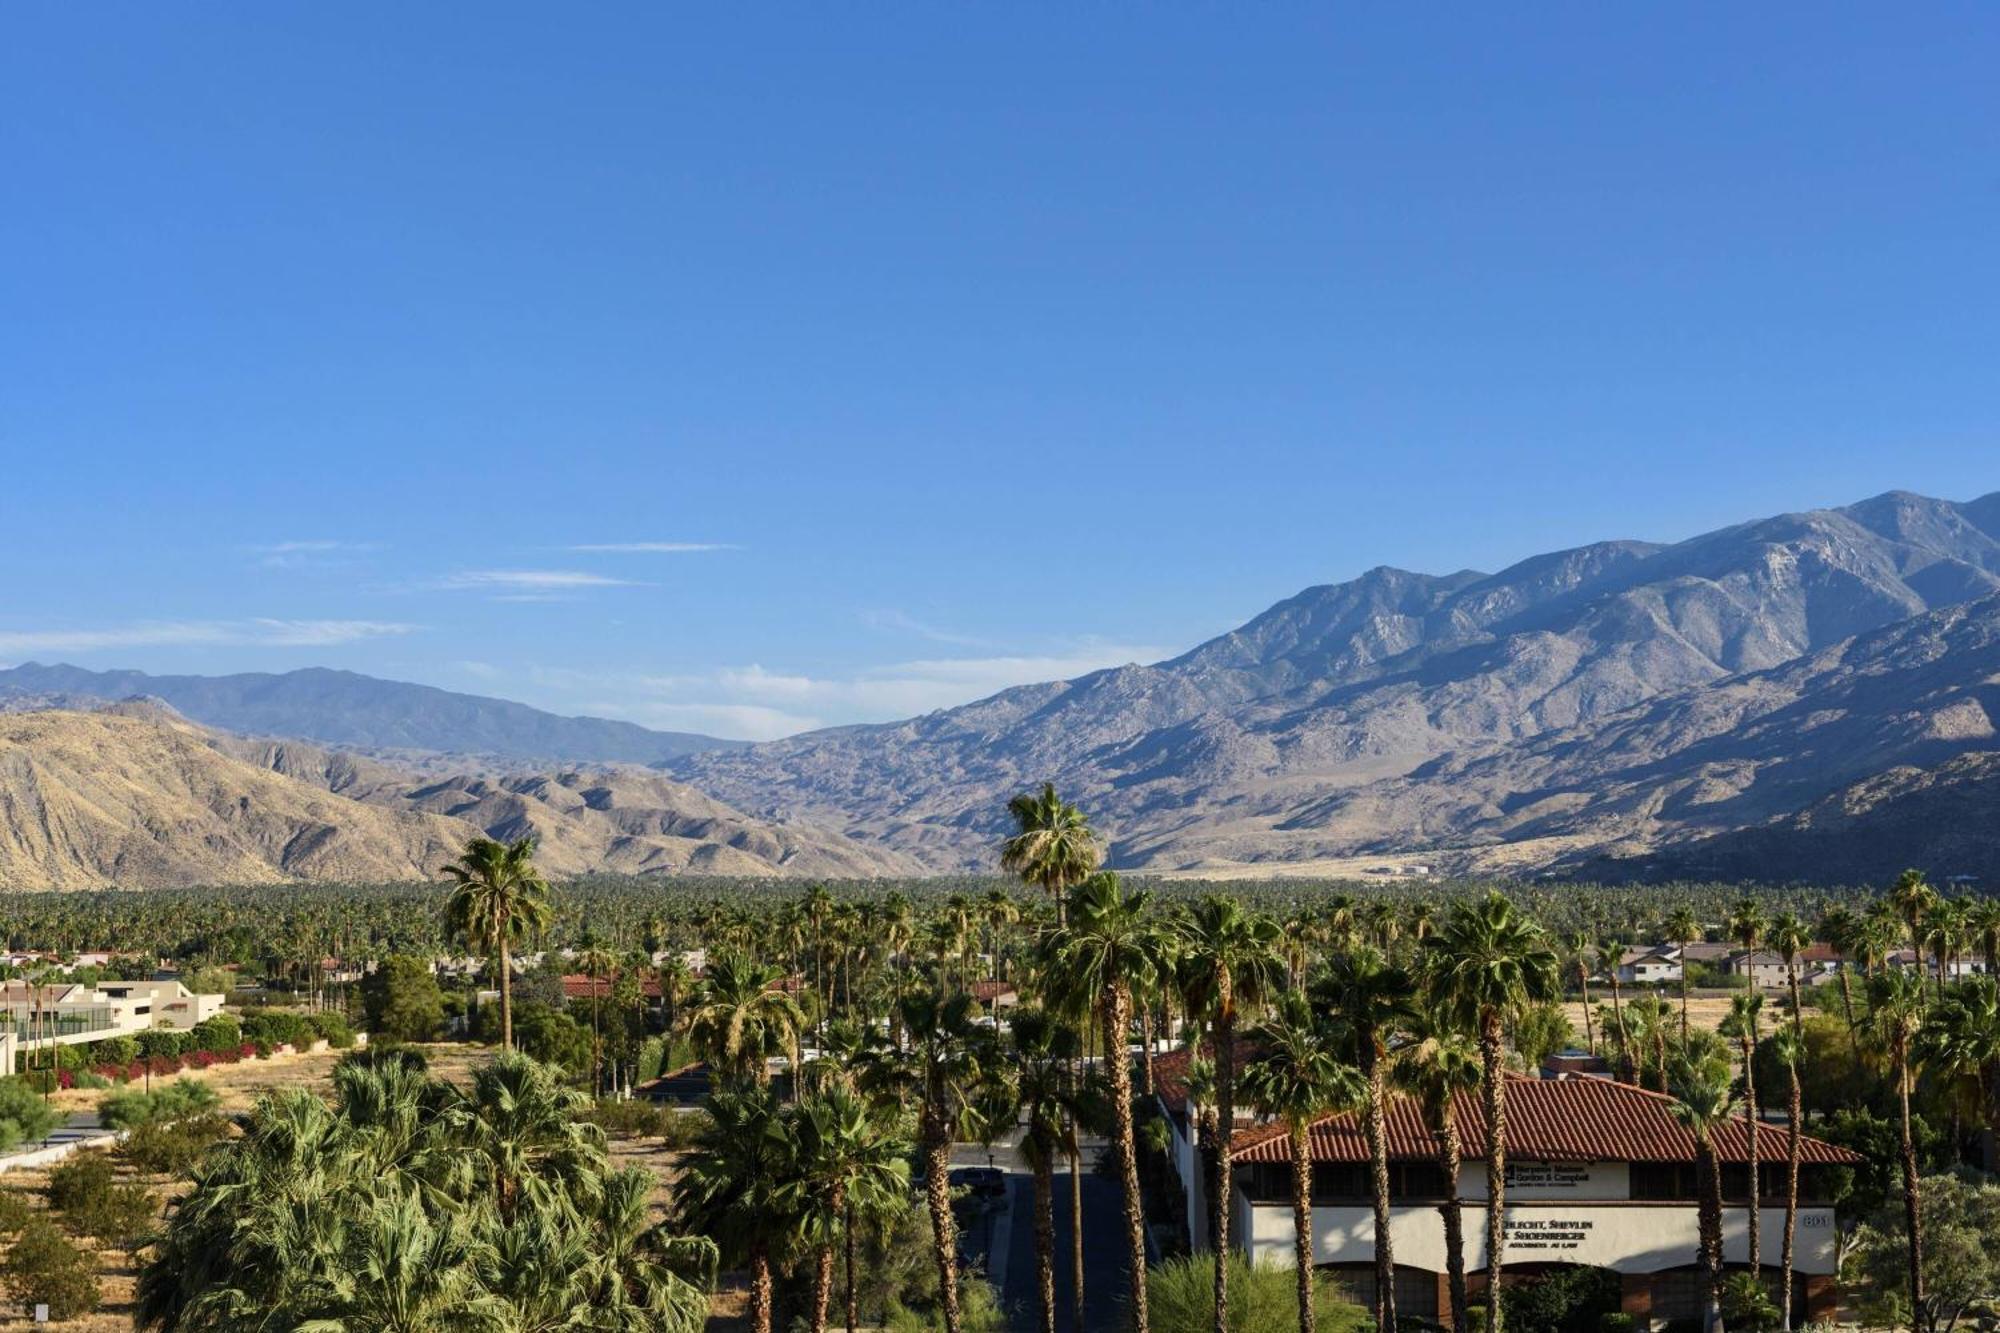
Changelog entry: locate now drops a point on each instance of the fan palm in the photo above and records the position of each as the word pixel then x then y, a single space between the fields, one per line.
pixel 1436 1065
pixel 1684 928
pixel 1053 845
pixel 1896 1010
pixel 1488 963
pixel 1741 1024
pixel 1296 1077
pixel 1042 1048
pixel 1702 1105
pixel 742 1017
pixel 1105 949
pixel 1369 1000
pixel 498 899
pixel 837 1156
pixel 729 1188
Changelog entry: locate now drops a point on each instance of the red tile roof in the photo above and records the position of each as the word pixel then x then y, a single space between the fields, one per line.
pixel 986 992
pixel 1548 1120
pixel 579 987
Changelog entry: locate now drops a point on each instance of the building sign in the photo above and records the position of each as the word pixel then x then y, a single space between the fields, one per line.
pixel 1548 1177
pixel 1546 1235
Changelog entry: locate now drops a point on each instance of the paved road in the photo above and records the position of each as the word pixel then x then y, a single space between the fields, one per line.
pixel 80 1127
pixel 1005 1241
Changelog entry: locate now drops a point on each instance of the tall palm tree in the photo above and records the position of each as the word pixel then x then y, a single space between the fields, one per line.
pixel 1742 1025
pixel 1107 948
pixel 1961 1040
pixel 1846 931
pixel 729 1187
pixel 1369 1001
pixel 743 1016
pixel 498 899
pixel 1488 963
pixel 1788 1048
pixel 1579 948
pixel 1896 1007
pixel 1296 1077
pixel 1913 900
pixel 1230 961
pixel 838 1162
pixel 1684 928
pixel 597 961
pixel 947 1063
pixel 1052 846
pixel 1612 952
pixel 1043 1049
pixel 1436 1065
pixel 1702 1104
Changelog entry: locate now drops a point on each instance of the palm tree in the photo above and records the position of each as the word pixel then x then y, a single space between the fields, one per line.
pixel 728 1190
pixel 1847 932
pixel 597 961
pixel 1369 1001
pixel 1702 1104
pixel 1296 1077
pixel 1913 899
pixel 1684 928
pixel 1490 962
pixel 1230 961
pixel 498 899
pixel 1043 1048
pixel 1788 1047
pixel 1611 952
pixel 1578 947
pixel 1436 1065
pixel 1742 1025
pixel 1105 950
pixel 1746 924
pixel 742 1017
pixel 1896 1004
pixel 839 1163
pixel 946 1062
pixel 1961 1040
pixel 1053 845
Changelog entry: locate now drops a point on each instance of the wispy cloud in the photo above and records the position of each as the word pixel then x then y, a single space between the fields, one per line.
pixel 903 622
pixel 530 582
pixel 653 548
pixel 755 702
pixel 311 553
pixel 261 632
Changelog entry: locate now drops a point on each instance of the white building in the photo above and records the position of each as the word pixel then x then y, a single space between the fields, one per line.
pixel 1599 1175
pixel 1644 965
pixel 67 1014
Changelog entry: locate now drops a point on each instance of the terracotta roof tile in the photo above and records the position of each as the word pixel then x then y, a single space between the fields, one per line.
pixel 1548 1120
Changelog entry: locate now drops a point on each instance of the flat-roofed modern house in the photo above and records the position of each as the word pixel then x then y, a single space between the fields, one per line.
pixel 71 1014
pixel 1599 1175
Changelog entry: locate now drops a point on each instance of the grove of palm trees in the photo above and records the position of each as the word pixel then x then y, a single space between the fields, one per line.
pixel 819 1073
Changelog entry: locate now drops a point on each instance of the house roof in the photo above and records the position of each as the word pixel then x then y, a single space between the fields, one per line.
pixel 579 987
pixel 1548 1120
pixel 991 989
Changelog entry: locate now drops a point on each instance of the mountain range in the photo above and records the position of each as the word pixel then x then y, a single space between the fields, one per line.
pixel 349 709
pixel 1808 695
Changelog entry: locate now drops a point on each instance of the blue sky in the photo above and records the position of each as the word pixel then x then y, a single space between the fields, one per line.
pixel 958 345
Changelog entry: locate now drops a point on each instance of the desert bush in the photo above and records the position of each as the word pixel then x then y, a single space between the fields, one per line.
pixel 979 1312
pixel 24 1116
pixel 44 1267
pixel 332 1028
pixel 629 1118
pixel 220 1033
pixel 14 1211
pixel 1180 1296
pixel 683 1128
pixel 174 1147
pixel 129 1110
pixel 86 1191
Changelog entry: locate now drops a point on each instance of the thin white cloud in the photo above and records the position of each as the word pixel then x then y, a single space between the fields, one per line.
pixel 311 553
pixel 754 702
pixel 263 632
pixel 653 548
pixel 530 581
pixel 905 623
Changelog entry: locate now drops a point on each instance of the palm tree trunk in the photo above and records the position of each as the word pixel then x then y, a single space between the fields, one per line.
pixel 1378 1153
pixel 1684 991
pixel 1589 1031
pixel 1117 1019
pixel 1302 1235
pixel 1794 1149
pixel 506 994
pixel 1913 1218
pixel 760 1288
pixel 1847 1008
pixel 944 1232
pixel 1618 1016
pixel 1045 1241
pixel 1225 1129
pixel 1711 1235
pixel 1749 1044
pixel 1075 1224
pixel 822 1285
pixel 853 1307
pixel 1454 1219
pixel 1146 1049
pixel 1496 1165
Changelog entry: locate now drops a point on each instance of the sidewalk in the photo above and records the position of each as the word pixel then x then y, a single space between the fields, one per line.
pixel 82 1130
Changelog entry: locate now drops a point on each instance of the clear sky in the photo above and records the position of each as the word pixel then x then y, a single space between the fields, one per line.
pixel 971 344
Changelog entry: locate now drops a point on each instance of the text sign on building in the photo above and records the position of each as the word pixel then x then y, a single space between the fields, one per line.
pixel 1546 1235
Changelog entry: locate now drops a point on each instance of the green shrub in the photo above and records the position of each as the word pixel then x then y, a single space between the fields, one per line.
pixel 44 1268
pixel 402 1000
pixel 277 1027
pixel 682 1128
pixel 85 1190
pixel 220 1033
pixel 163 1041
pixel 631 1118
pixel 114 1051
pixel 14 1211
pixel 24 1116
pixel 1618 1322
pixel 1180 1298
pixel 1564 1300
pixel 176 1147
pixel 331 1028
pixel 131 1109
pixel 979 1311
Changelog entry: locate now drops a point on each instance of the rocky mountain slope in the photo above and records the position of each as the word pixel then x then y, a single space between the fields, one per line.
pixel 1325 726
pixel 131 795
pixel 345 708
